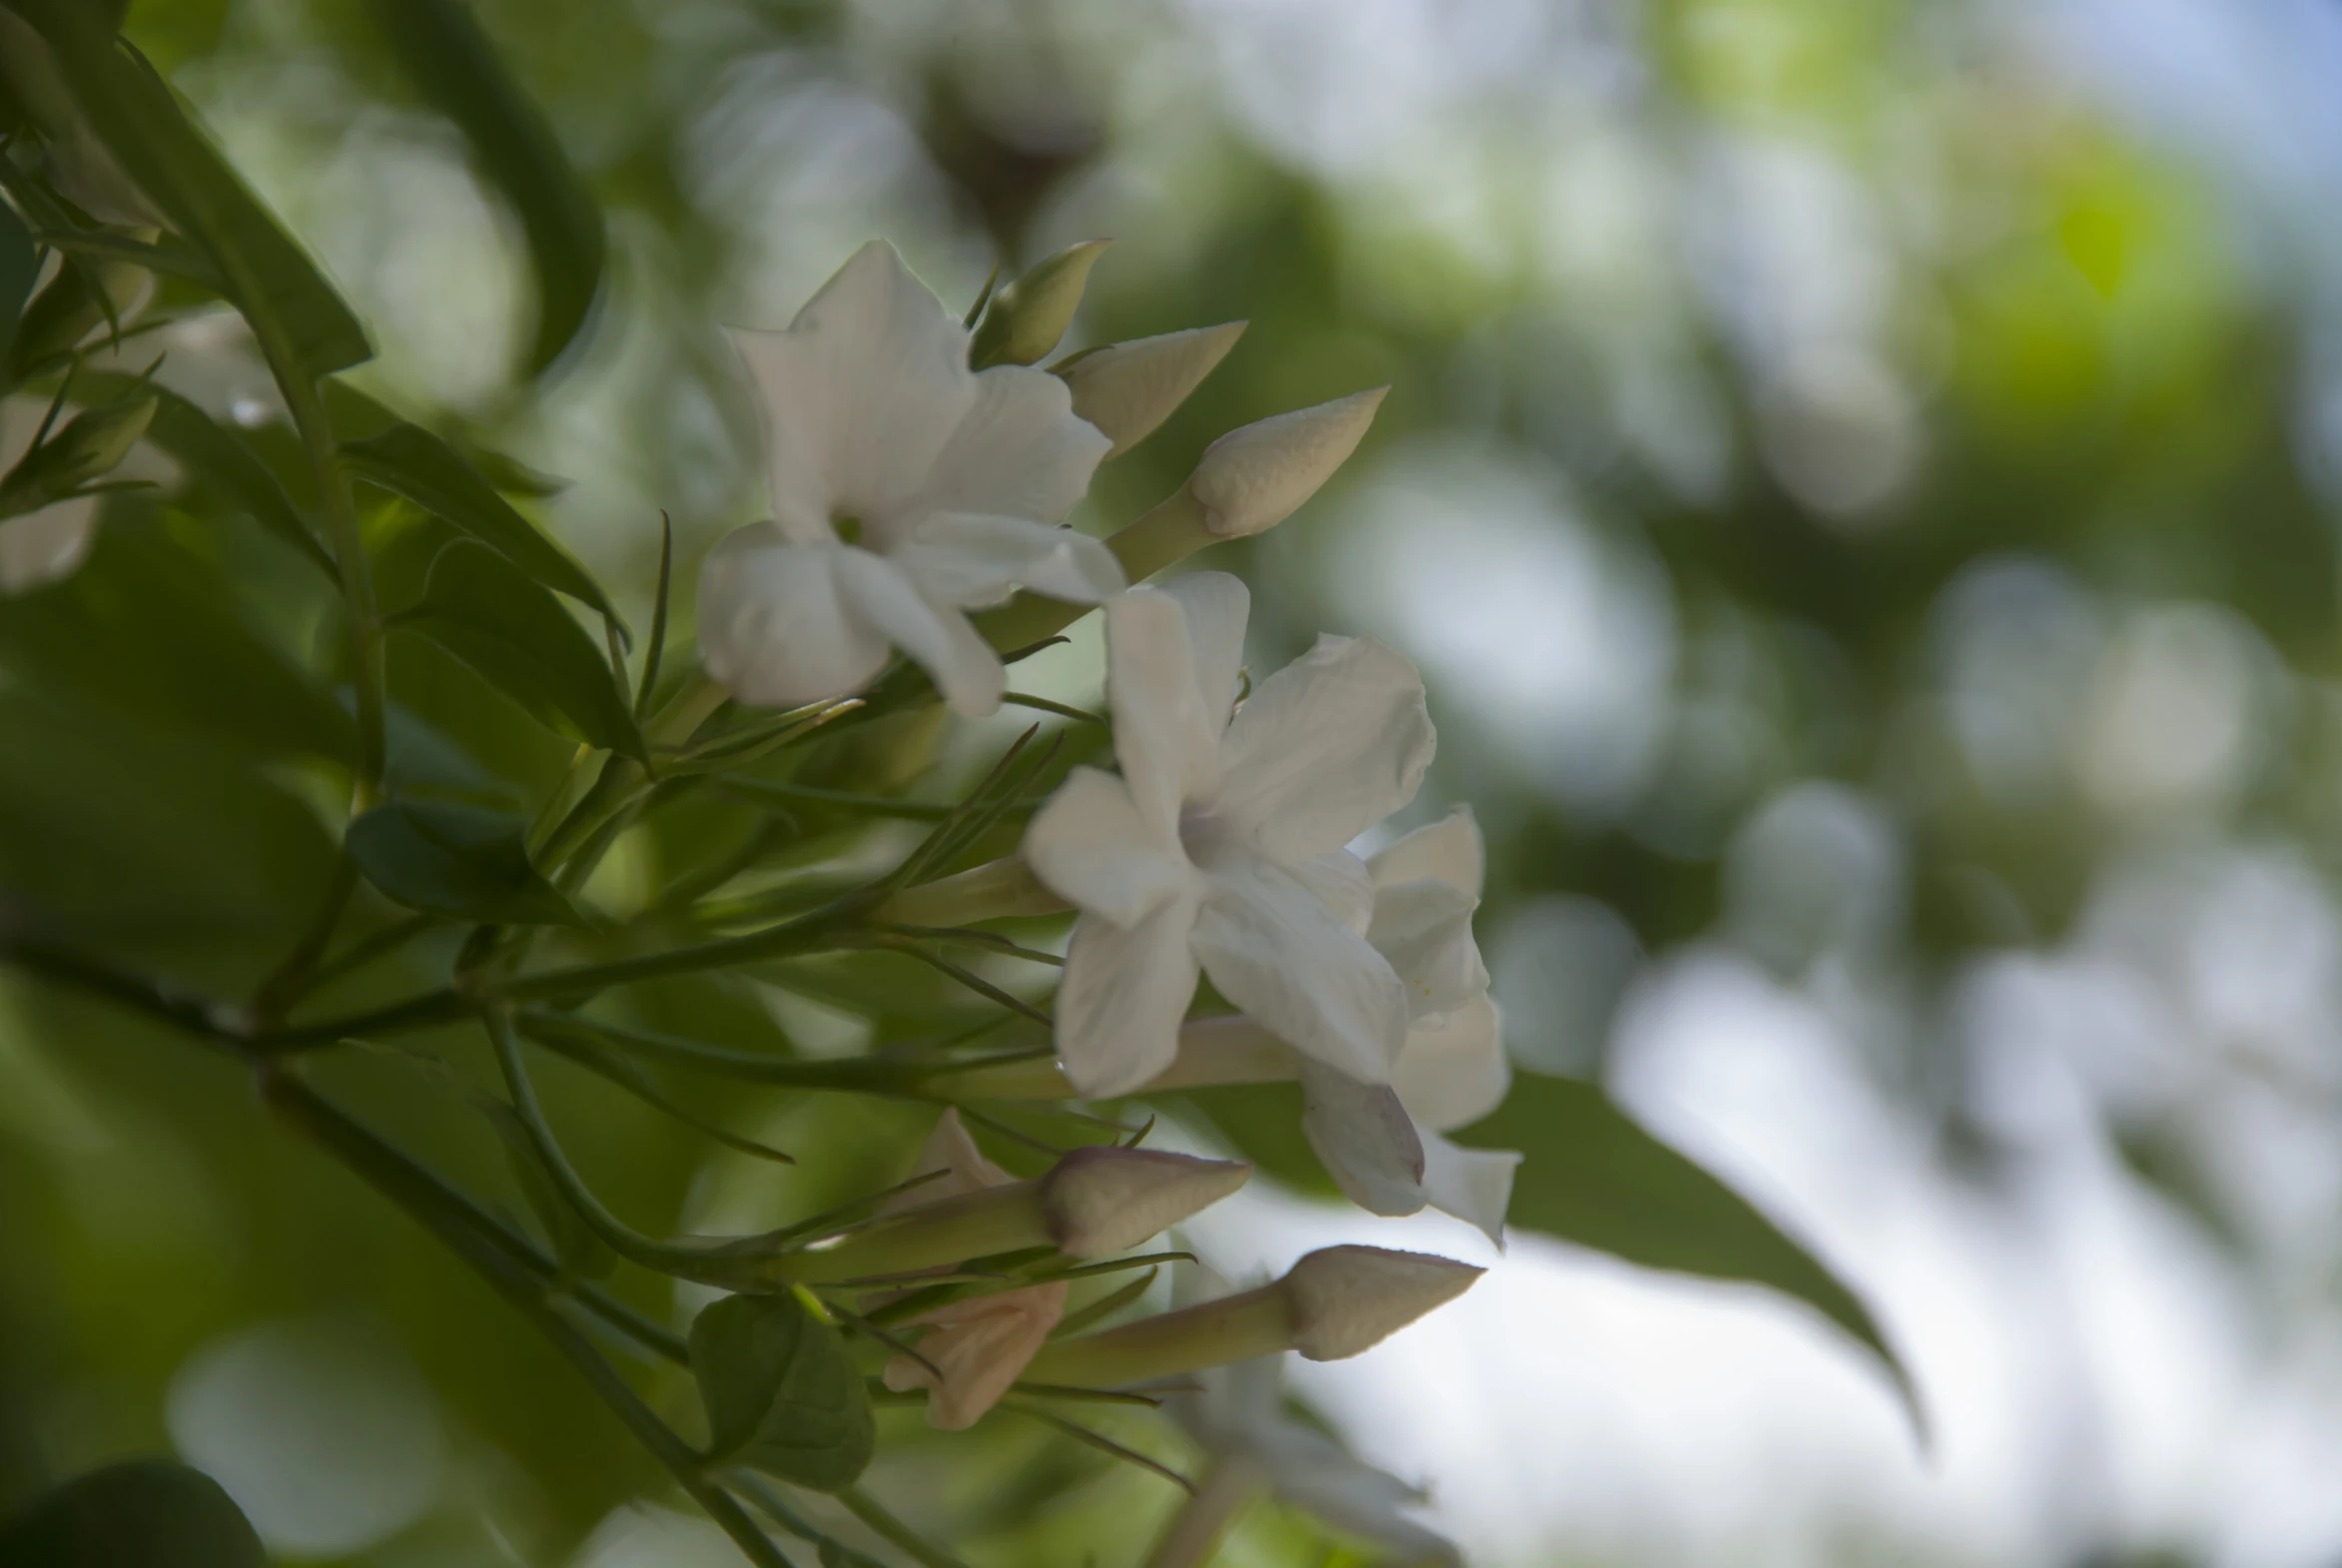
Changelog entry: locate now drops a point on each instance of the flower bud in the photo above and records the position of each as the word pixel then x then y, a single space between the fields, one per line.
pixel 1256 477
pixel 1345 1300
pixel 1025 318
pixel 1127 390
pixel 1107 1198
pixel 94 443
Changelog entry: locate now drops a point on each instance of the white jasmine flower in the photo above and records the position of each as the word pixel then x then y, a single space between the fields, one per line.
pixel 974 1351
pixel 1219 847
pixel 1381 1142
pixel 905 489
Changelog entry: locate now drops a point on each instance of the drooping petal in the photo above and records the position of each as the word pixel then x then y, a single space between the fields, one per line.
pixel 1474 1184
pixel 1339 882
pixel 860 394
pixel 974 559
pixel 41 546
pixel 774 630
pixel 1090 846
pixel 966 669
pixel 1449 850
pixel 1325 748
pixel 1281 954
pixel 1453 1071
pixel 1217 607
pixel 1364 1140
pixel 1126 991
pixel 1018 452
pixel 981 1347
pixel 1425 930
pixel 1168 748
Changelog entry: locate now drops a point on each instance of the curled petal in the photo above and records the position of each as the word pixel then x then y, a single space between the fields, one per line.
pixel 981 1347
pixel 1365 1138
pixel 1091 846
pixel 965 668
pixel 1425 930
pixel 1124 992
pixel 1453 1071
pixel 1449 850
pixel 1324 749
pixel 1017 452
pixel 1474 1184
pixel 774 630
pixel 860 394
pixel 1165 740
pixel 974 559
pixel 1277 952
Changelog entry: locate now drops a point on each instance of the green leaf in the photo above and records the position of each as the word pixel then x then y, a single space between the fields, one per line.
pixel 1596 1176
pixel 170 253
pixel 442 48
pixel 278 288
pixel 145 1513
pixel 20 264
pixel 782 1393
pixel 448 858
pixel 483 609
pixel 408 460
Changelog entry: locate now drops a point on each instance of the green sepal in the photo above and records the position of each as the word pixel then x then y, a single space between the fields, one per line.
pixel 483 609
pixel 782 1393
pixel 466 862
pixel 1025 319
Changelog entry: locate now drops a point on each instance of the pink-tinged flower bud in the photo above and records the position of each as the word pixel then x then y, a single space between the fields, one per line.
pixel 1254 478
pixel 1345 1300
pixel 1107 1200
pixel 1128 389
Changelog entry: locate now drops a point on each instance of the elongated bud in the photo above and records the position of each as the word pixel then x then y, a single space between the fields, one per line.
pixel 1345 1300
pixel 1128 389
pixel 1092 1202
pixel 1256 477
pixel 1105 1199
pixel 1025 318
pixel 91 444
pixel 1333 1304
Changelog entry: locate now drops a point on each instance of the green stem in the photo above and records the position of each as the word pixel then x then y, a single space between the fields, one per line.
pixel 389 1173
pixel 349 559
pixel 865 1508
pixel 277 992
pixel 866 1075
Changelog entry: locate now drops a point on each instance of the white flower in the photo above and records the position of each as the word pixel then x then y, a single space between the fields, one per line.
pixel 1219 846
pixel 1381 1142
pixel 980 1346
pixel 905 489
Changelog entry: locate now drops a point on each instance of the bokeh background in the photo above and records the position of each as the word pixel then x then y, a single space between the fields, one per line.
pixel 1860 483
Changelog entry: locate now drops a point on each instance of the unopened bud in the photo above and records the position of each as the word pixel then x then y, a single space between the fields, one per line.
pixel 1107 1198
pixel 1127 390
pixel 1025 318
pixel 1256 477
pixel 1345 1300
pixel 91 444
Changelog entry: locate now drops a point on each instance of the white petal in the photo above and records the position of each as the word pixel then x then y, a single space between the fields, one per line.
pixel 1277 953
pixel 1090 846
pixel 41 546
pixel 951 1151
pixel 1364 1140
pixel 974 559
pixel 1325 748
pixel 1168 747
pixel 1216 606
pixel 1449 850
pixel 966 669
pixel 1312 1472
pixel 1425 930
pixel 1474 1184
pixel 1455 1071
pixel 1339 882
pixel 1124 992
pixel 860 394
pixel 1017 452
pixel 1129 388
pixel 773 627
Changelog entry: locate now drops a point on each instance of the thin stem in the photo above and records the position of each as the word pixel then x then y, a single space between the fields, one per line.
pixel 768 1502
pixel 1025 699
pixel 865 1508
pixel 282 986
pixel 866 1076
pixel 366 948
pixel 389 1173
pixel 188 1012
